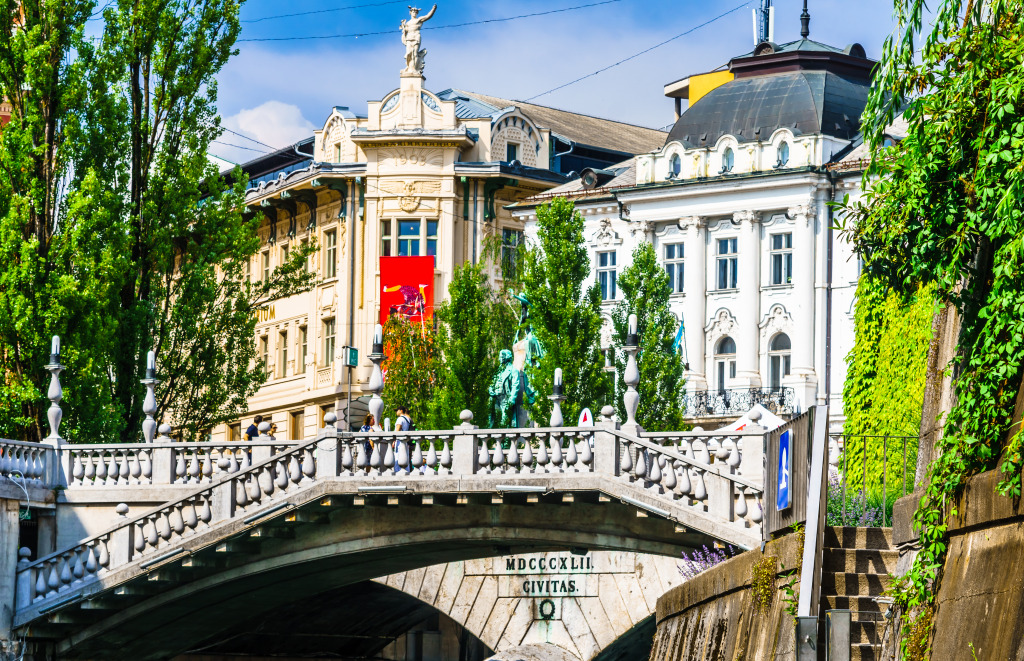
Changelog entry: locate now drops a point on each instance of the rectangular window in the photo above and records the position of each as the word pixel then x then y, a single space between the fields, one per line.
pixel 300 368
pixel 385 238
pixel 297 425
pixel 264 350
pixel 510 242
pixel 284 255
pixel 782 259
pixel 324 410
pixel 302 246
pixel 282 354
pixel 265 265
pixel 330 254
pixel 337 153
pixel 512 152
pixel 432 238
pixel 235 432
pixel 727 249
pixel 408 238
pixel 606 275
pixel 674 267
pixel 328 358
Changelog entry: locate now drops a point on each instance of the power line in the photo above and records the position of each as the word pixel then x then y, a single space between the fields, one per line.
pixel 242 135
pixel 636 55
pixel 437 27
pixel 322 11
pixel 228 144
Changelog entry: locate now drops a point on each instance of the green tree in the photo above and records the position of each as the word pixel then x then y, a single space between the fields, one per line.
pixel 116 231
pixel 645 289
pixel 469 338
pixel 412 367
pixel 565 315
pixel 945 208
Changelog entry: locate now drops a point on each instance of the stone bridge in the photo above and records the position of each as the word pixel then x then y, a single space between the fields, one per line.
pixel 164 545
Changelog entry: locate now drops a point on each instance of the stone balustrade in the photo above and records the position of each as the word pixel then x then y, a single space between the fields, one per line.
pixel 697 472
pixel 31 462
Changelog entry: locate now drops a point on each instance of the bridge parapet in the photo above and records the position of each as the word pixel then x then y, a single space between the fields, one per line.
pixel 694 478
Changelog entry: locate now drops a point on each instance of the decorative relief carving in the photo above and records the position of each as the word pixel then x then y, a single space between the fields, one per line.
pixel 606 236
pixel 643 228
pixel 751 217
pixel 802 212
pixel 429 102
pixel 390 104
pixel 697 222
pixel 406 156
pixel 776 321
pixel 722 324
pixel 409 192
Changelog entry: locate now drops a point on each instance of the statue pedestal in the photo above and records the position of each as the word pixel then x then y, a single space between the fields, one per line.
pixel 410 103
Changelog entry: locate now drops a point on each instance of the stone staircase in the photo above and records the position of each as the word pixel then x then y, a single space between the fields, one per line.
pixel 856 564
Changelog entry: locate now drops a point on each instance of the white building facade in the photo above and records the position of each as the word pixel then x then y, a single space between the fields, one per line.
pixel 737 207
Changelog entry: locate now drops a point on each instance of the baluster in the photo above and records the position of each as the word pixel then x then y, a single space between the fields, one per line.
pixel 570 452
pixel 417 454
pixel 40 586
pixel 147 465
pixel 194 469
pixel 135 467
pixel 556 450
pixel 90 467
pixel 101 468
pixel 513 455
pixel 140 536
pixel 722 452
pixel 206 514
pixel 91 565
pixel 389 456
pixel 626 465
pixel 207 469
pixel 431 455
pixel 684 478
pixel 734 454
pixel 376 455
pixel 152 533
pixel 294 469
pixel 163 525
pixel 586 452
pixel 176 521
pixel 232 462
pixel 655 471
pixel 223 460
pixel 263 484
pixel 542 455
pixel 104 555
pixel 757 512
pixel 669 479
pixel 641 463
pixel 527 453
pixel 700 491
pixel 189 515
pixel 346 457
pixel 65 571
pixel 241 495
pixel 77 470
pixel 78 570
pixel 179 465
pixel 402 456
pixel 741 504
pixel 308 463
pixel 446 455
pixel 124 471
pixel 483 458
pixel 497 456
pixel 53 583
pixel 362 459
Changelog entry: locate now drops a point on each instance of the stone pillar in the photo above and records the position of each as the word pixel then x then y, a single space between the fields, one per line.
pixel 748 373
pixel 803 378
pixel 695 301
pixel 8 563
pixel 411 104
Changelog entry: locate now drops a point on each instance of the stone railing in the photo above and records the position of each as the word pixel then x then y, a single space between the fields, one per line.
pixel 32 462
pixel 737 401
pixel 685 475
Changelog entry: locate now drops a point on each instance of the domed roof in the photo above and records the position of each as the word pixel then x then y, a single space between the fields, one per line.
pixel 806 102
pixel 805 86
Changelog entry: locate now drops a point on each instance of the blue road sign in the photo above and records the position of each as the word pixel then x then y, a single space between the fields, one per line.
pixel 783 499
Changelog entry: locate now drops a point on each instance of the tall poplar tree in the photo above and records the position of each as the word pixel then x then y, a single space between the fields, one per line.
pixel 565 314
pixel 116 231
pixel 645 292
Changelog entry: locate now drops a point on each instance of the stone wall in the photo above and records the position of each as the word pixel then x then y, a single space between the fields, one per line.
pixel 980 602
pixel 712 617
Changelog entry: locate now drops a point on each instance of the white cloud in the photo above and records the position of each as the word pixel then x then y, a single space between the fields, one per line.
pixel 272 123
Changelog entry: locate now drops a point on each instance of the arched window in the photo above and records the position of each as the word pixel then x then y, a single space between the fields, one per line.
pixel 778 360
pixel 675 166
pixel 783 154
pixel 725 362
pixel 728 160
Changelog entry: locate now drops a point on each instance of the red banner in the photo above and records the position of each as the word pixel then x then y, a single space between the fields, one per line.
pixel 407 288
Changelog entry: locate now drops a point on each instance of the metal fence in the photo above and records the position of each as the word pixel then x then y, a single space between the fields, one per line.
pixel 855 459
pixel 707 403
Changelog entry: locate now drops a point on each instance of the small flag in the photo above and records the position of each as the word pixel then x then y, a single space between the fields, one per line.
pixel 678 343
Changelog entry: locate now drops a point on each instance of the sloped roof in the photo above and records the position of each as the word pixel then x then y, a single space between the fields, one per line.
pixel 625 177
pixel 585 129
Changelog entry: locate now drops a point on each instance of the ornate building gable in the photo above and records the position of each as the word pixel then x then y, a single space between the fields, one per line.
pixel 606 236
pixel 722 323
pixel 332 143
pixel 517 129
pixel 776 321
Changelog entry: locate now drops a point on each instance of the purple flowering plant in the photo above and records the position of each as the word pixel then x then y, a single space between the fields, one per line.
pixel 702 559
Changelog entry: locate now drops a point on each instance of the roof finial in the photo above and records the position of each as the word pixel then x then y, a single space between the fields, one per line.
pixel 805 23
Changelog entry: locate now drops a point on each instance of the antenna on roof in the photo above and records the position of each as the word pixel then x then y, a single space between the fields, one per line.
pixel 805 23
pixel 764 22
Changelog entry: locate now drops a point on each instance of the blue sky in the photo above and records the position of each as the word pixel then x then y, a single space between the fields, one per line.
pixel 280 91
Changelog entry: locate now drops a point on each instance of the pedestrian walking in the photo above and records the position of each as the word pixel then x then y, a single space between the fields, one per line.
pixel 252 432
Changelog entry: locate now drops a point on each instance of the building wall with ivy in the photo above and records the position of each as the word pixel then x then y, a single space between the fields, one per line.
pixel 884 387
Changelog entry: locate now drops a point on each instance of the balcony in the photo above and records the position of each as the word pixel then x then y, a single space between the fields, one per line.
pixel 737 401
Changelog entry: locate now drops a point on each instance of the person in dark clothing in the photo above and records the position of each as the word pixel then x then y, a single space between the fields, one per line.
pixel 253 431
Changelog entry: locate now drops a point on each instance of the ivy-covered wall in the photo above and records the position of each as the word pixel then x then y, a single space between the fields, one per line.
pixel 884 386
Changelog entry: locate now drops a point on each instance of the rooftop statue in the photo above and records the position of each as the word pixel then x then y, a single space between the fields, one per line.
pixel 414 56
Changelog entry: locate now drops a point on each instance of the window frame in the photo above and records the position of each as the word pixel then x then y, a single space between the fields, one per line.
pixel 300 367
pixel 264 350
pixel 329 341
pixel 607 275
pixel 296 424
pixel 780 362
pixel 781 257
pixel 330 259
pixel 725 363
pixel 282 353
pixel 265 265
pixel 511 151
pixel 731 262
pixel 675 266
